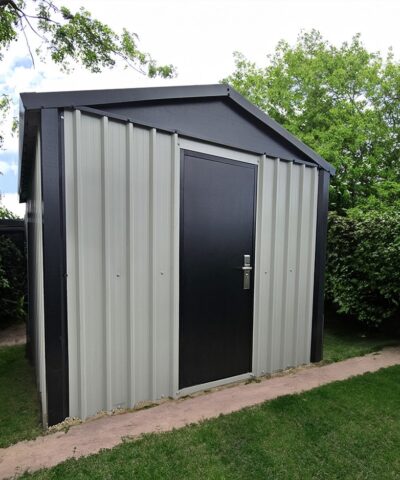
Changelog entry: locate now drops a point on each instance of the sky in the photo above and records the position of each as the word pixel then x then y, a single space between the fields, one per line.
pixel 199 38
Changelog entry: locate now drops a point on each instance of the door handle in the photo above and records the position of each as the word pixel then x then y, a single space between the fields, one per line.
pixel 246 272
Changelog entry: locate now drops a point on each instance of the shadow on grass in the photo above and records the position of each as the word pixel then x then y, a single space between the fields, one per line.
pixel 345 338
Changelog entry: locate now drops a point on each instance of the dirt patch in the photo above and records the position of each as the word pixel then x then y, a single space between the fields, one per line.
pixel 14 335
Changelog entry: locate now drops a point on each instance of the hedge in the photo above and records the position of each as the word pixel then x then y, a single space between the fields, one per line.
pixel 363 265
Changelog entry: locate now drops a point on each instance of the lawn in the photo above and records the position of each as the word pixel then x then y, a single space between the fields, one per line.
pixel 345 339
pixel 19 413
pixel 344 430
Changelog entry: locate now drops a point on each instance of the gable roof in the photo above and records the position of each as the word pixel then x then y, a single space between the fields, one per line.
pixel 32 103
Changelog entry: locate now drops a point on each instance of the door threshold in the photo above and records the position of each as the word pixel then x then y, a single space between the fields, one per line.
pixel 216 383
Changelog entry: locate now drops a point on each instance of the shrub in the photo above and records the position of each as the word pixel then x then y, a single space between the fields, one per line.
pixel 12 282
pixel 12 276
pixel 363 270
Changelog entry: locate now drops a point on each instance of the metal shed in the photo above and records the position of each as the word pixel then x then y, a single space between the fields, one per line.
pixel 177 242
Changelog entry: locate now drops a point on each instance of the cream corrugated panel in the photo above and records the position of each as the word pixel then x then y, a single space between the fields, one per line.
pixel 122 218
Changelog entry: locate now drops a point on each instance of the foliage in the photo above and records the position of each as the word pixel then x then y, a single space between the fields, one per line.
pixel 5 213
pixel 345 430
pixel 71 38
pixel 19 413
pixel 342 101
pixel 12 275
pixel 385 196
pixel 12 281
pixel 363 264
pixel 74 37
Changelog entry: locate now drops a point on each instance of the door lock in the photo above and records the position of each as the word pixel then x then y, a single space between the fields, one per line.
pixel 246 272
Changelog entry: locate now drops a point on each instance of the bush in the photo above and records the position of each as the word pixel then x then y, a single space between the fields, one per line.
pixel 12 276
pixel 363 270
pixel 12 282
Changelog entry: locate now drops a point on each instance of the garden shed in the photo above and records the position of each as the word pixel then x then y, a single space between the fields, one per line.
pixel 176 239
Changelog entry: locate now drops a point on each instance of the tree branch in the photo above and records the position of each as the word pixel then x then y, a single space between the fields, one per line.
pixel 40 17
pixel 27 43
pixel 32 28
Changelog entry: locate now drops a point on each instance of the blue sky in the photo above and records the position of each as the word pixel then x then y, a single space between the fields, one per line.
pixel 8 167
pixel 17 72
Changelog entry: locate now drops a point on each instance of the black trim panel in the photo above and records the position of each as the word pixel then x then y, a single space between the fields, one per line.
pixel 33 103
pixel 55 308
pixel 317 334
pixel 33 100
pixel 126 119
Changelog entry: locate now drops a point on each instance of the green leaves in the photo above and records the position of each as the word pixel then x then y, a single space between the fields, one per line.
pixel 8 25
pixel 74 37
pixel 71 38
pixel 5 103
pixel 78 37
pixel 6 214
pixel 12 281
pixel 12 275
pixel 344 102
pixel 363 263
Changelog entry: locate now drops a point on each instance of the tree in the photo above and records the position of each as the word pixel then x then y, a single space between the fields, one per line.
pixel 344 102
pixel 69 38
pixel 6 214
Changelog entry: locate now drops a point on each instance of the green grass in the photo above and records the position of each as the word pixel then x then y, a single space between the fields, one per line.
pixel 19 411
pixel 345 339
pixel 344 430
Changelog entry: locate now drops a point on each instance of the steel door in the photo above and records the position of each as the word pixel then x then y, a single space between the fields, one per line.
pixel 217 231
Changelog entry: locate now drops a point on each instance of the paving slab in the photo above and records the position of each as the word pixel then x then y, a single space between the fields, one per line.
pixel 107 432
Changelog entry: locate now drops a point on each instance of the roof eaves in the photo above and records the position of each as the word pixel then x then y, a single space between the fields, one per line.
pixel 34 101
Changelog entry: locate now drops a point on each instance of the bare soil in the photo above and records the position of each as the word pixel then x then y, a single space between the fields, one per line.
pixel 14 335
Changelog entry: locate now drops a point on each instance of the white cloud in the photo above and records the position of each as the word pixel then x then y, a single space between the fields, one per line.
pixel 11 202
pixel 6 167
pixel 199 36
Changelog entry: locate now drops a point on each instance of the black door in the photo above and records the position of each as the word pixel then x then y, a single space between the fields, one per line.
pixel 217 227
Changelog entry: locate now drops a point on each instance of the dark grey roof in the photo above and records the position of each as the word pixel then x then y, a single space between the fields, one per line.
pixel 115 100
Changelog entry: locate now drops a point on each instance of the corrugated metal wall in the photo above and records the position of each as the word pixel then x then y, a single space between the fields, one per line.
pixel 121 250
pixel 122 224
pixel 34 216
pixel 285 253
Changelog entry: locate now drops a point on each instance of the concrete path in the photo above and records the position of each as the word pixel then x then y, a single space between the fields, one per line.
pixel 107 432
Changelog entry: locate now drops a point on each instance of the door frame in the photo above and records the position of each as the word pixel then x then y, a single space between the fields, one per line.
pixel 203 148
